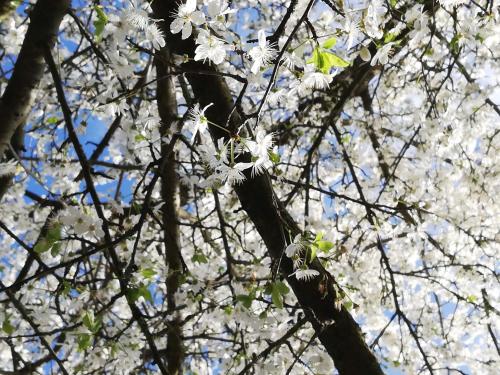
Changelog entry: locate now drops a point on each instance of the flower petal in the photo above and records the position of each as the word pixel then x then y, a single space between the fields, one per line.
pixel 176 25
pixel 187 30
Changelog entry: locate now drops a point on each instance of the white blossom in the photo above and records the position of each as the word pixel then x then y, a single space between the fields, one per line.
pixel 305 274
pixel 262 54
pixel 198 120
pixel 186 16
pixel 382 55
pixel 260 149
pixel 8 168
pixel 210 47
pixel 155 36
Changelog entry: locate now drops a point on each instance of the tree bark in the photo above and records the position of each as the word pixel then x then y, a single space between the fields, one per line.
pixel 167 108
pixel 335 328
pixel 16 100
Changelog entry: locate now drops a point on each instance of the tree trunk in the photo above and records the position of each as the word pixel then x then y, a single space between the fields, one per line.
pixel 167 108
pixel 16 101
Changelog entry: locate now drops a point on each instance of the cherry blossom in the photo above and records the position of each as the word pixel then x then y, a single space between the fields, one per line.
pixel 186 16
pixel 216 186
pixel 198 120
pixel 262 54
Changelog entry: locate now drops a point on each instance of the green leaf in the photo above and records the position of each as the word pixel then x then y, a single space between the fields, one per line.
pixel 54 232
pixel 325 246
pixel 324 60
pixel 329 43
pixel 88 319
pixel 140 138
pixel 282 287
pixel 246 300
pixel 471 299
pixel 52 120
pixel 348 305
pixel 277 290
pixel 51 240
pixel 268 289
pixel 90 322
pixel 335 61
pixel 100 22
pixel 319 236
pixel 313 249
pixel 146 293
pixel 199 258
pixel 66 288
pixel 274 157
pixel 136 208
pixel 346 138
pixel 147 273
pixel 389 37
pixel 142 291
pixel 133 294
pixel 454 43
pixel 277 298
pixel 317 59
pixel 7 326
pixel 42 246
pixel 84 341
pixel 56 249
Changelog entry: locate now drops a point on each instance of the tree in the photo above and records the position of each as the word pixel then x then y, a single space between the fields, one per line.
pixel 249 187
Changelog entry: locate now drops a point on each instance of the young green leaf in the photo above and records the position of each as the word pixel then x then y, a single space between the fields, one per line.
pixel 319 236
pixel 55 249
pixel 325 246
pixel 277 298
pixel 274 157
pixel 146 293
pixel 147 273
pixel 199 258
pixel 329 43
pixel 84 341
pixel 334 61
pixel 7 326
pixel 325 60
pixel 140 138
pixel 313 249
pixel 42 246
pixel 100 22
pixel 282 287
pixel 89 321
pixel 246 300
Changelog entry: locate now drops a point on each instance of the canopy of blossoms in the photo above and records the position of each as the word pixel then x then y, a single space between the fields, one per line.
pixel 249 187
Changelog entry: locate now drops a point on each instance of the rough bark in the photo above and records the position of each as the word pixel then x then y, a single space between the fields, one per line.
pixel 167 108
pixel 335 328
pixel 16 100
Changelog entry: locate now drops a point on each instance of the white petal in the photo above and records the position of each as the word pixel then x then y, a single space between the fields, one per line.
pixel 67 220
pixel 187 30
pixel 292 249
pixel 190 6
pixel 262 38
pixel 255 67
pixel 243 166
pixel 213 8
pixel 176 25
pixel 219 57
pixel 365 54
pixel 198 18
